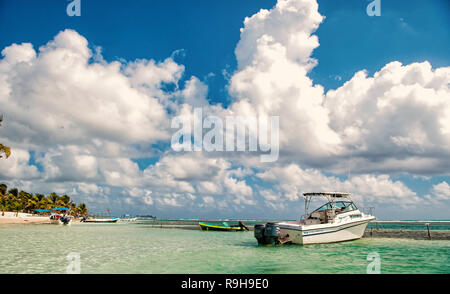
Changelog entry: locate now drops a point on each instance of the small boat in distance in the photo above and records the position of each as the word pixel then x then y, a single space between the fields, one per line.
pixel 146 216
pixel 99 220
pixel 337 220
pixel 59 219
pixel 223 227
pixel 127 219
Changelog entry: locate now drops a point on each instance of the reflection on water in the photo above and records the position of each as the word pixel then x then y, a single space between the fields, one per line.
pixel 128 248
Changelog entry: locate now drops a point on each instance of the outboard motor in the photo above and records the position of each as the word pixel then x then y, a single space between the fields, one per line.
pixel 65 219
pixel 259 233
pixel 272 234
pixel 267 234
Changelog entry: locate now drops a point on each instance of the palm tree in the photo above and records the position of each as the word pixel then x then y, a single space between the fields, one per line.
pixel 66 200
pixel 39 197
pixel 16 201
pixel 3 189
pixel 81 209
pixel 16 207
pixel 22 199
pixel 52 198
pixel 13 192
pixel 3 202
pixel 73 208
pixel 31 204
pixel 4 150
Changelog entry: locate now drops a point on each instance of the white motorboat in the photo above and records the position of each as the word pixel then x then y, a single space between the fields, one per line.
pixel 60 219
pixel 100 220
pixel 337 220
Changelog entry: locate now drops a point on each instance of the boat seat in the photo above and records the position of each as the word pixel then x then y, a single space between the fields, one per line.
pixel 312 221
pixel 315 215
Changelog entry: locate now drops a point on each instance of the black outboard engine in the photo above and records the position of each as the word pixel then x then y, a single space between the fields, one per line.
pixel 272 234
pixel 268 234
pixel 65 219
pixel 259 233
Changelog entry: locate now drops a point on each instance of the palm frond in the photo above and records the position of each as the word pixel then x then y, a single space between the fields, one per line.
pixel 6 150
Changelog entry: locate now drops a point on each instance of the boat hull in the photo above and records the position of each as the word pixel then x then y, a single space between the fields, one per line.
pixel 100 221
pixel 55 222
pixel 210 227
pixel 338 233
pixel 59 222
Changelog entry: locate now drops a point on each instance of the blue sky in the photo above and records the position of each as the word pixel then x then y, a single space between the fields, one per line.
pixel 202 36
pixel 208 31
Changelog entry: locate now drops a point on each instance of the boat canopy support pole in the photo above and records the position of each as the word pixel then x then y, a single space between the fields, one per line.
pixel 307 202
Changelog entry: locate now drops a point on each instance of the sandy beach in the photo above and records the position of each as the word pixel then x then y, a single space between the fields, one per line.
pixel 12 218
pixel 8 220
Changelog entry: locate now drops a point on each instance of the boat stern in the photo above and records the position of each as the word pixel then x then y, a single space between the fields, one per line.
pixel 270 234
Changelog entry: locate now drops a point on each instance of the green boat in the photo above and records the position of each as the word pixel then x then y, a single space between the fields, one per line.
pixel 223 227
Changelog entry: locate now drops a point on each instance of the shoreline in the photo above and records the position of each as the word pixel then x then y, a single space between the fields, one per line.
pixel 17 220
pixel 27 220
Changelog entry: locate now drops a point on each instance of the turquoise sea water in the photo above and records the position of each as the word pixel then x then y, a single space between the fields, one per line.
pixel 133 248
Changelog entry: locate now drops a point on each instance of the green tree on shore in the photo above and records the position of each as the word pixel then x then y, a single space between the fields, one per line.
pixel 81 209
pixel 3 189
pixel 13 200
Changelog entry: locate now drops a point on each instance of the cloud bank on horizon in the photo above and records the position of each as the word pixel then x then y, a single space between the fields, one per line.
pixel 76 123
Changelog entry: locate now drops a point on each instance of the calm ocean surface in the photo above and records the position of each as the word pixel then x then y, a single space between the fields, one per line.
pixel 133 248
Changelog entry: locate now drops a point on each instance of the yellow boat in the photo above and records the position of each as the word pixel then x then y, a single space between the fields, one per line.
pixel 223 227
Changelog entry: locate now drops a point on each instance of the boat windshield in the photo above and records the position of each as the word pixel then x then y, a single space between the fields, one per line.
pixel 351 206
pixel 340 206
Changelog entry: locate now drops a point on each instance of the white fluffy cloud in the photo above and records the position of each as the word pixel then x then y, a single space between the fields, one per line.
pixel 16 166
pixel 273 62
pixel 58 96
pixel 292 181
pixel 289 25
pixel 192 174
pixel 397 120
pixel 440 192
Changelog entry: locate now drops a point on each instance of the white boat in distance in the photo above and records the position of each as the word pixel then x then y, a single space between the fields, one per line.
pixel 100 220
pixel 337 220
